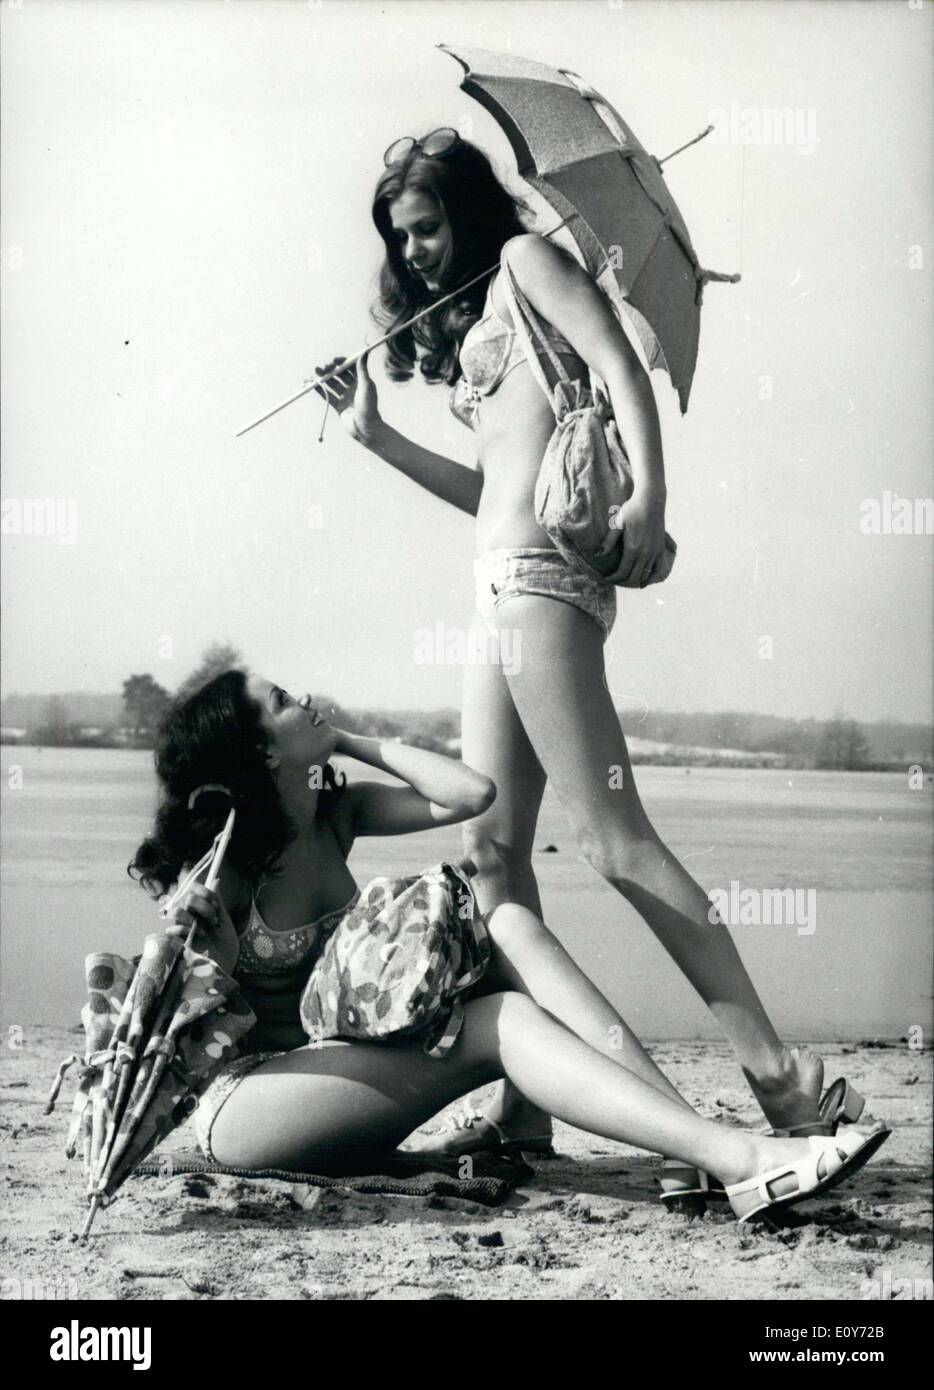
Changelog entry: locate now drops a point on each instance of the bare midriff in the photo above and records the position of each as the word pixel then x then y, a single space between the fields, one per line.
pixel 514 426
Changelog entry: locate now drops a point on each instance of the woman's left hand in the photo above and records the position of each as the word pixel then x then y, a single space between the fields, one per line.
pixel 641 520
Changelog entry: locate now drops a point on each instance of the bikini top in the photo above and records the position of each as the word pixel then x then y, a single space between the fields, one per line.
pixel 266 952
pixel 489 352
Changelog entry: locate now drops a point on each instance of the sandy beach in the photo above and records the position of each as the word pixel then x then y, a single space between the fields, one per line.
pixel 589 1226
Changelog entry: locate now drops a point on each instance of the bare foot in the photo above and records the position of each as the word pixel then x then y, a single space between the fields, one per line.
pixel 469 1132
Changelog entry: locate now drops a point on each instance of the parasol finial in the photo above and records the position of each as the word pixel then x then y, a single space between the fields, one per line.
pixel 703 133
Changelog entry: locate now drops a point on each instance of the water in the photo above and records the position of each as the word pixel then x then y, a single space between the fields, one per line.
pixel 861 842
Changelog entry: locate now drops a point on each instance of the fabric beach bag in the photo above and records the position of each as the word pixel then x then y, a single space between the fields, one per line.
pixel 400 961
pixel 585 475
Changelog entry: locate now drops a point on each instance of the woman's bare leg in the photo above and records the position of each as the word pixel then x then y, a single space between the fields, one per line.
pixel 494 742
pixel 500 842
pixel 314 1107
pixel 528 958
pixel 561 696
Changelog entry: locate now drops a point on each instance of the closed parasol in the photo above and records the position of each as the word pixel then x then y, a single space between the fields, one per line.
pixel 157 1029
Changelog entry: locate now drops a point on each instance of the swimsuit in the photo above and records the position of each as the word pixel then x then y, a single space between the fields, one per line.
pixel 271 953
pixel 265 952
pixel 489 352
pixel 506 573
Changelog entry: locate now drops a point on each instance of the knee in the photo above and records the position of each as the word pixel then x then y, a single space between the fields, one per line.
pixel 494 857
pixel 516 1012
pixel 515 928
pixel 626 861
pixel 494 1020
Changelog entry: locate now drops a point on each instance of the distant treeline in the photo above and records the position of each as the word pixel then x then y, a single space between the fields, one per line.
pixel 107 721
pixel 802 742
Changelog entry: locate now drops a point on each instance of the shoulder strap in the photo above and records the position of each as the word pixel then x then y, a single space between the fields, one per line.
pixel 528 327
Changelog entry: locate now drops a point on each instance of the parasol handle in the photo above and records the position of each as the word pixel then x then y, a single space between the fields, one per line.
pixel 223 841
pixel 89 1219
pixel 352 361
pixel 187 881
pixel 211 861
pixel 214 872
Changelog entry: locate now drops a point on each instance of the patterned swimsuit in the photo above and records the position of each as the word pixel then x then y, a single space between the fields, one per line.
pixel 266 952
pixel 263 953
pixel 489 352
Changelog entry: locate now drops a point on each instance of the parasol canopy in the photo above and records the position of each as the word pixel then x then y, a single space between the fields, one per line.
pixel 621 221
pixel 579 154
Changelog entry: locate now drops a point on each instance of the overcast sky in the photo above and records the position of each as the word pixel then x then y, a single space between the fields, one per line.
pixel 186 232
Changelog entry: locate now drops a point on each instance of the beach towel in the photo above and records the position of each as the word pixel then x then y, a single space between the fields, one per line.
pixel 399 1174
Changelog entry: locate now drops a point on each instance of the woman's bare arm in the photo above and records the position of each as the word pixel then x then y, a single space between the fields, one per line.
pixel 452 482
pixel 354 396
pixel 566 297
pixel 440 791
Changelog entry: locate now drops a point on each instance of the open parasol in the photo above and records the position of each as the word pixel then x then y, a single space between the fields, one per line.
pixel 582 158
pixel 579 154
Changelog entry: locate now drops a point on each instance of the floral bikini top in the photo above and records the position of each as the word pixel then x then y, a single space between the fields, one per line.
pixel 489 352
pixel 266 952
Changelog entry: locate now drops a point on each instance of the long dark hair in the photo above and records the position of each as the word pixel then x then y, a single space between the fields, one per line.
pixel 482 215
pixel 215 736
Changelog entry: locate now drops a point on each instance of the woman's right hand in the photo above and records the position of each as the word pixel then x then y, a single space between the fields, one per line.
pixel 215 934
pixel 353 395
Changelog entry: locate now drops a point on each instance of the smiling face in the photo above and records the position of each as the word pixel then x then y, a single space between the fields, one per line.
pixel 298 734
pixel 423 234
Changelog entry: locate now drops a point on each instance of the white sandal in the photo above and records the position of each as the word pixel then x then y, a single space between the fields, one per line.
pixel 841 1154
pixel 463 1121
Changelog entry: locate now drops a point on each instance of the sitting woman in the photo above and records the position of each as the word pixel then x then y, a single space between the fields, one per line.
pixel 534 1018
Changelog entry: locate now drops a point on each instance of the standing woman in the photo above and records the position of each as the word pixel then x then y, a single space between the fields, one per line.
pixel 444 217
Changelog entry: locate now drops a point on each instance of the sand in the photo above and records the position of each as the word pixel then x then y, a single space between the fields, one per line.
pixel 589 1227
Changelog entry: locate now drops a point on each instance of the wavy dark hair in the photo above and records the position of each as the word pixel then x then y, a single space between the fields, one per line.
pixel 215 735
pixel 482 215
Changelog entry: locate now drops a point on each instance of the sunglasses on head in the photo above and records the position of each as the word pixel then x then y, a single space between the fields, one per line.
pixel 439 142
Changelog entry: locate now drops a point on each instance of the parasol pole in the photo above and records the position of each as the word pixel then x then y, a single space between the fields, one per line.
pixel 352 361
